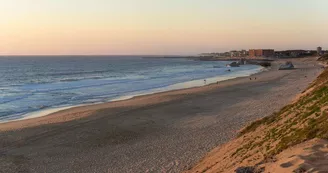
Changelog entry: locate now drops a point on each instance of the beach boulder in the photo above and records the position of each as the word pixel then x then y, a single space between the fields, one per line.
pixel 287 66
pixel 233 64
pixel 245 170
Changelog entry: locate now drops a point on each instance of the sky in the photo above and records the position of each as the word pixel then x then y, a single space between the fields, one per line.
pixel 159 27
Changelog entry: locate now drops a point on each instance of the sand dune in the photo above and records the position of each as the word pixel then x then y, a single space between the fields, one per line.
pixel 270 144
pixel 309 156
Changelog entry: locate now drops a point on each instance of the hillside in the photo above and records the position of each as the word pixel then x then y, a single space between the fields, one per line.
pixel 291 140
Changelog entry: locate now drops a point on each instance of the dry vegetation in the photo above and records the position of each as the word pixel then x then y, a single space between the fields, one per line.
pixel 303 120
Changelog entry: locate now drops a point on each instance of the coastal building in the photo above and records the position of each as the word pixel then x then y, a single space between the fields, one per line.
pixel 240 53
pixel 243 53
pixel 261 53
pixel 233 53
pixel 242 61
pixel 319 50
pixel 216 54
pixel 225 54
pixel 291 53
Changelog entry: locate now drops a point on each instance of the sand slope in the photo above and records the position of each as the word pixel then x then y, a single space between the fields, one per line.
pixel 283 142
pixel 310 156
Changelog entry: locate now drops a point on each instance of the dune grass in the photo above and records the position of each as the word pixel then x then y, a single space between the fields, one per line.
pixel 295 123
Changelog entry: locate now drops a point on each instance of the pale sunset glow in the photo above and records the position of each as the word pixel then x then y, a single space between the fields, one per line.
pixel 57 27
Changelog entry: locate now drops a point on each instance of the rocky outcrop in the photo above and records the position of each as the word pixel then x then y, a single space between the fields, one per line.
pixel 245 170
pixel 233 64
pixel 287 66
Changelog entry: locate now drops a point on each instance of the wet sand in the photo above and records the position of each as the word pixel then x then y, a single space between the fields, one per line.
pixel 165 132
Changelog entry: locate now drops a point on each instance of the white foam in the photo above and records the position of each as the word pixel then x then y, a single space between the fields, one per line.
pixel 183 85
pixel 44 112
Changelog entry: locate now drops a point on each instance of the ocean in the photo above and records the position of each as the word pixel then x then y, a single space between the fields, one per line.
pixel 32 84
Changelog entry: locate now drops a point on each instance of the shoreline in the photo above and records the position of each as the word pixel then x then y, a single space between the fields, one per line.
pixel 175 87
pixel 163 132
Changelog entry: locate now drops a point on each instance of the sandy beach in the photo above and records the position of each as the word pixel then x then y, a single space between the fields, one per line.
pixel 164 132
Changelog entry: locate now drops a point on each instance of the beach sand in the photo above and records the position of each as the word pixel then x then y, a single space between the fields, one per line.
pixel 309 155
pixel 164 132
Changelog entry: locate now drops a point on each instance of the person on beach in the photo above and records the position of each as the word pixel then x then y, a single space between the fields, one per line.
pixel 204 81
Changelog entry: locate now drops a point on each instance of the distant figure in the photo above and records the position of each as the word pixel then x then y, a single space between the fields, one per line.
pixel 250 78
pixel 205 81
pixel 255 78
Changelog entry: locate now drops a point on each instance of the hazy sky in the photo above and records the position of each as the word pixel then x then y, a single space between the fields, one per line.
pixel 159 26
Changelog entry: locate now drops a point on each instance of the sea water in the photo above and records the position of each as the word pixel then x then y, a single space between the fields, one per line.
pixel 42 83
